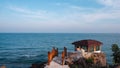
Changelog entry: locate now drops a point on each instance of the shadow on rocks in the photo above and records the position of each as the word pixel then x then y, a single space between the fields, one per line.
pixel 38 65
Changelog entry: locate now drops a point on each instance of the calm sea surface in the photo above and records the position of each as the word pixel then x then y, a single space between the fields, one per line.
pixel 20 50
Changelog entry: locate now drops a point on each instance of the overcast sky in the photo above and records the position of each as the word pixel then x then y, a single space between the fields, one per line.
pixel 60 16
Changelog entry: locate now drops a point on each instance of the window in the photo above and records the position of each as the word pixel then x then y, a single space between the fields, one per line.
pixel 97 48
pixel 85 48
pixel 91 48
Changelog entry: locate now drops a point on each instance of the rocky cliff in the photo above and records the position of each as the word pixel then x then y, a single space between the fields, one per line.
pixel 99 59
pixel 96 60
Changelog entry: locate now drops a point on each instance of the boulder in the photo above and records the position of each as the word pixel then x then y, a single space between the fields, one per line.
pixel 99 59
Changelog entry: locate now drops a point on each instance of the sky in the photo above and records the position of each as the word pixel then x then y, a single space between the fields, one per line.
pixel 59 16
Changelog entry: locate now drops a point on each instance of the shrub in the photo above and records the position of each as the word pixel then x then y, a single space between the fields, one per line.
pixel 116 53
pixel 89 60
pixel 115 48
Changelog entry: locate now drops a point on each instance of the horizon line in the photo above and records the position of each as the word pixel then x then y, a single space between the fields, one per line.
pixel 64 32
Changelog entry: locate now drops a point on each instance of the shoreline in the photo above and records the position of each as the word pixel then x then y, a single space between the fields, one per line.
pixel 40 65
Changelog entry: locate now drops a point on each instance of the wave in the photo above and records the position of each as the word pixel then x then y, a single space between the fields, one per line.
pixel 6 48
pixel 28 56
pixel 23 59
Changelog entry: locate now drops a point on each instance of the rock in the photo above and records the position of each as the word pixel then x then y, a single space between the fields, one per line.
pixel 81 63
pixel 56 65
pixel 38 65
pixel 99 59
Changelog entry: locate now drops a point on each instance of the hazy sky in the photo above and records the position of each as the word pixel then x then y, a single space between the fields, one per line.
pixel 60 16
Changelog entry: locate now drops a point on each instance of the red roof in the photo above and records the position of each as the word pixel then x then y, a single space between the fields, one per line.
pixel 88 42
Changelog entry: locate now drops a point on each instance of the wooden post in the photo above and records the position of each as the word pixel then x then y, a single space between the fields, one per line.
pixel 48 58
pixel 53 52
pixel 57 52
pixel 65 50
pixel 63 56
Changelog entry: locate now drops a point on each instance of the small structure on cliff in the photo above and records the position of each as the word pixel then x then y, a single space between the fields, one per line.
pixel 88 45
pixel 84 50
pixel 91 49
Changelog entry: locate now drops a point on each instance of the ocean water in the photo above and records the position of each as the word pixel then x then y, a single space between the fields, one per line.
pixel 20 50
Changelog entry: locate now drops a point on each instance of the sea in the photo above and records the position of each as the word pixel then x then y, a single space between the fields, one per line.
pixel 20 50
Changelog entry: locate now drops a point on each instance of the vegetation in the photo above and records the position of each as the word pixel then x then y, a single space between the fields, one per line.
pixel 116 53
pixel 89 60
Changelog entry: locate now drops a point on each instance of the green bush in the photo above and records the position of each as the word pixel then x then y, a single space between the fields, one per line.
pixel 115 48
pixel 89 60
pixel 116 53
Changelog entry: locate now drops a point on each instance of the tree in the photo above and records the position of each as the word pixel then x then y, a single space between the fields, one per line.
pixel 116 53
pixel 115 48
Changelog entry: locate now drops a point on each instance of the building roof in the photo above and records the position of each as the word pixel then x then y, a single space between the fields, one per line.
pixel 87 42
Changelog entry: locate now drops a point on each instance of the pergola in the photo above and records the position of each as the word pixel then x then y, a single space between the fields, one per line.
pixel 88 45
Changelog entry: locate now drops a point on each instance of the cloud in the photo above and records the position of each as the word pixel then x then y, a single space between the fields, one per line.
pixel 110 3
pixel 69 18
pixel 106 2
pixel 74 13
pixel 62 17
pixel 110 11
pixel 102 15
pixel 21 10
pixel 42 14
pixel 79 8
